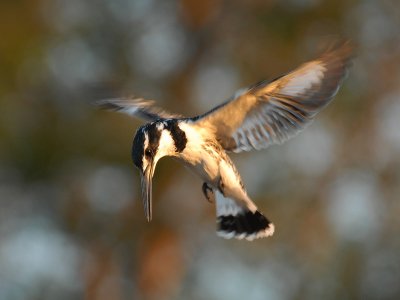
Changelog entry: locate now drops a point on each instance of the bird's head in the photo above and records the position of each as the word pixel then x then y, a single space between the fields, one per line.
pixel 152 142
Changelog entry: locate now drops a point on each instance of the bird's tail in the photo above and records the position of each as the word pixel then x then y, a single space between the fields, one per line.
pixel 236 221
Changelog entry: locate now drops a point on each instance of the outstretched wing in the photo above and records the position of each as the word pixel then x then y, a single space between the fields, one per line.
pixel 138 107
pixel 272 112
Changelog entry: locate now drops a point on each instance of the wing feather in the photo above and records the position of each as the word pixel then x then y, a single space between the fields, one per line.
pixel 137 107
pixel 271 112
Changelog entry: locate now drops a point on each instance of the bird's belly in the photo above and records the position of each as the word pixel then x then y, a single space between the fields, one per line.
pixel 203 164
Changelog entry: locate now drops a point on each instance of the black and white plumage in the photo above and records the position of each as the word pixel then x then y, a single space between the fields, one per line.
pixel 254 118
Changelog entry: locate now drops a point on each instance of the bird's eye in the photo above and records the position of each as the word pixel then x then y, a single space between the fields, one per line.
pixel 148 152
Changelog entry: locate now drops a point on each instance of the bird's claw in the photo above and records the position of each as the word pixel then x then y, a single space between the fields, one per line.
pixel 221 186
pixel 206 189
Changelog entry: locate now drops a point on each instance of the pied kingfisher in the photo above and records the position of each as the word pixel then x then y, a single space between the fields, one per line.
pixel 269 112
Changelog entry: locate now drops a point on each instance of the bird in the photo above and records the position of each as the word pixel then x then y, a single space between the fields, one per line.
pixel 263 114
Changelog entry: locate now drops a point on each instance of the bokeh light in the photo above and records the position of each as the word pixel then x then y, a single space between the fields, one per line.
pixel 71 217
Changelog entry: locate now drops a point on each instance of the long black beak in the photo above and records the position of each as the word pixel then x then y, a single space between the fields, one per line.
pixel 147 176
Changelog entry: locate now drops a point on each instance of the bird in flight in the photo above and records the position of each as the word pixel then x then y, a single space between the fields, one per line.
pixel 267 113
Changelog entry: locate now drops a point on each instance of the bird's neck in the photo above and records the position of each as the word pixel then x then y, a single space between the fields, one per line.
pixel 166 146
pixel 173 139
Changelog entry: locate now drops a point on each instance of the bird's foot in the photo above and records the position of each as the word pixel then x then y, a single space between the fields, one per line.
pixel 221 186
pixel 208 192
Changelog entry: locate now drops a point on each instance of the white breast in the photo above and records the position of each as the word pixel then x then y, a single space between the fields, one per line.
pixel 198 154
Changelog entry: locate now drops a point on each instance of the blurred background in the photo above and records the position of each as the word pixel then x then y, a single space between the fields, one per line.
pixel 71 218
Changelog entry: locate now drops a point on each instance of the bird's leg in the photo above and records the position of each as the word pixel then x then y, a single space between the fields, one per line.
pixel 206 190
